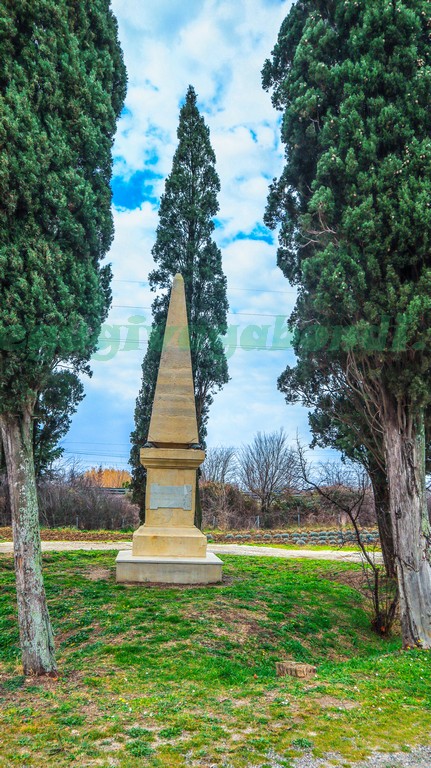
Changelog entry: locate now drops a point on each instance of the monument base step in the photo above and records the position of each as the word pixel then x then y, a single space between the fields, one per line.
pixel 169 542
pixel 168 570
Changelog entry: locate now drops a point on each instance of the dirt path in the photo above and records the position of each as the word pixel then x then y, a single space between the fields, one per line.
pixel 418 757
pixel 219 549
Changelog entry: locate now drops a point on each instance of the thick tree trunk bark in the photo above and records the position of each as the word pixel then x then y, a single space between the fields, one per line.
pixel 37 645
pixel 5 516
pixel 379 483
pixel 404 439
pixel 142 503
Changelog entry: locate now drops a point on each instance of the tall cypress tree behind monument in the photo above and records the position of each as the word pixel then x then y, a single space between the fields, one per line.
pixel 184 244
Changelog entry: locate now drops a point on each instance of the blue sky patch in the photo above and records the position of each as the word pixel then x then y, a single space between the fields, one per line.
pixel 260 232
pixel 131 193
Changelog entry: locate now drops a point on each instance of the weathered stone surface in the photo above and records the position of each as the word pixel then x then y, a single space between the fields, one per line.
pixel 170 531
pixel 178 570
pixel 168 548
pixel 173 418
pixel 167 496
pixel 294 669
pixel 172 541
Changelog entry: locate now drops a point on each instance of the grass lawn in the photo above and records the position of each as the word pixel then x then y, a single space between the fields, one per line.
pixel 168 677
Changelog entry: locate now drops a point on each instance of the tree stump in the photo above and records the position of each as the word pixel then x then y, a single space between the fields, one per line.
pixel 294 669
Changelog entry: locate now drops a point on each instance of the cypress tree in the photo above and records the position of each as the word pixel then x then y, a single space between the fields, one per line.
pixel 184 244
pixel 62 86
pixel 353 80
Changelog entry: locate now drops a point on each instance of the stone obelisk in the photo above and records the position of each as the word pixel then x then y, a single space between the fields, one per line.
pixel 169 548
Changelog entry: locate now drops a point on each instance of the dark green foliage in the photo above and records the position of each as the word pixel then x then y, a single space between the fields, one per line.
pixel 55 405
pixel 330 73
pixel 184 244
pixel 302 743
pixel 339 420
pixel 353 202
pixel 353 81
pixel 62 87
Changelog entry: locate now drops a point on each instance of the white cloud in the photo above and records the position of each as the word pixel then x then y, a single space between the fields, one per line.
pixel 219 47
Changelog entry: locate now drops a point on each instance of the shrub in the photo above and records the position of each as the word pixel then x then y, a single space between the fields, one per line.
pixel 225 506
pixel 76 500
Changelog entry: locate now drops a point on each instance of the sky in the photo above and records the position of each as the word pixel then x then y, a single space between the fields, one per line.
pixel 219 47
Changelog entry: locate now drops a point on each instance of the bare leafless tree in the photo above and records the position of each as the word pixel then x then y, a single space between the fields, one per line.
pixel 266 468
pixel 219 465
pixel 345 487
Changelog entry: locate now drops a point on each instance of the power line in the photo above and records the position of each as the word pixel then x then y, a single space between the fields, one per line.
pixel 123 456
pixel 88 442
pixel 229 288
pixel 232 314
pixel 84 453
pixel 136 345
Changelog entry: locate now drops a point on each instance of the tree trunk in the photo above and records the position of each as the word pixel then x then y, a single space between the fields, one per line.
pixel 404 439
pixel 379 482
pixel 198 505
pixel 5 516
pixel 142 500
pixel 37 646
pixel 264 513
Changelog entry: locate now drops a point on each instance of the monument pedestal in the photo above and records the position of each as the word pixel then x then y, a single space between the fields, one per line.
pixel 168 570
pixel 152 541
pixel 168 548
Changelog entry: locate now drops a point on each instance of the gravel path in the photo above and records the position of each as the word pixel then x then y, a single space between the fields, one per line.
pixel 316 554
pixel 73 546
pixel 419 757
pixel 219 549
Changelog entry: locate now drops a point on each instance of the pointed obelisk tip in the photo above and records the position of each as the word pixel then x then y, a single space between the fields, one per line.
pixel 173 418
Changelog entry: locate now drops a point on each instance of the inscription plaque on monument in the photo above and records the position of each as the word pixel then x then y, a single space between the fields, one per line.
pixel 170 496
